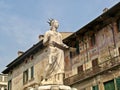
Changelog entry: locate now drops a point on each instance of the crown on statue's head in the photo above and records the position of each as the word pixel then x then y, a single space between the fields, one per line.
pixel 50 21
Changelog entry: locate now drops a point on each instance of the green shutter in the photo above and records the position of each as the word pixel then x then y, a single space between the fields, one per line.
pixel 109 85
pixel 95 87
pixel 118 83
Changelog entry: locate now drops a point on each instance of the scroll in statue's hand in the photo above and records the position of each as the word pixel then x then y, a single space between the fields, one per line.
pixel 60 46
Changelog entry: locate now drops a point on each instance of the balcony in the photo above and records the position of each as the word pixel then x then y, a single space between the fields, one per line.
pixel 110 64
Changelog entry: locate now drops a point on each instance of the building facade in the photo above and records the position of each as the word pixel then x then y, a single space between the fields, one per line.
pixel 3 81
pixel 94 61
pixel 27 70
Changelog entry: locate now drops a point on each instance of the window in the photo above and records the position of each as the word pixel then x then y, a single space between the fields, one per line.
pixel 5 78
pixel 25 76
pixel 119 51
pixel 109 85
pixel 95 87
pixel 118 83
pixel 93 41
pixel 95 63
pixel 80 69
pixel 77 47
pixel 118 24
pixel 71 54
pixel 32 72
pixel 10 85
pixel 28 75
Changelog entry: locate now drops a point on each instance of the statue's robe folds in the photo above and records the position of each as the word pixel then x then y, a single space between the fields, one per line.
pixel 55 54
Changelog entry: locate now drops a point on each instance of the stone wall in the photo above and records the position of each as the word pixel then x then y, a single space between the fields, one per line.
pixel 38 62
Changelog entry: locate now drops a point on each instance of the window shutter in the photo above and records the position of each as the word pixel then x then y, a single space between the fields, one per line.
pixel 118 83
pixel 32 72
pixel 109 85
pixel 95 87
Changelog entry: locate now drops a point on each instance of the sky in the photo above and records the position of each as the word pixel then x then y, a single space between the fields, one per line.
pixel 22 21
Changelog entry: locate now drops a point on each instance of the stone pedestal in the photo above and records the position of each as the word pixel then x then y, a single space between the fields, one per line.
pixel 54 87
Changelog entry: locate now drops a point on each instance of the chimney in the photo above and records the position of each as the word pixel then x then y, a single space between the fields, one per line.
pixel 105 10
pixel 20 53
pixel 41 37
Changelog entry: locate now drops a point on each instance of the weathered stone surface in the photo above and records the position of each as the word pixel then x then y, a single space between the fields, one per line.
pixel 54 71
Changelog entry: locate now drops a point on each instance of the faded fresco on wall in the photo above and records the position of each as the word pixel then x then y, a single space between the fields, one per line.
pixel 105 44
pixel 103 49
pixel 87 65
pixel 75 60
pixel 68 63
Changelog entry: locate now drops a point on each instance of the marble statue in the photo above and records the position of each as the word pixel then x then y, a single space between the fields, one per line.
pixel 54 71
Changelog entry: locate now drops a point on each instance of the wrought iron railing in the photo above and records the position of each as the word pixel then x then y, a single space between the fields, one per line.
pixel 94 71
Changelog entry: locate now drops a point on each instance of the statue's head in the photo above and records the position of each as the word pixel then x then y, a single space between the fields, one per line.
pixel 53 23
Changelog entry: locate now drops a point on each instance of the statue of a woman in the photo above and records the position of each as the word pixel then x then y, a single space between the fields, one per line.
pixel 54 71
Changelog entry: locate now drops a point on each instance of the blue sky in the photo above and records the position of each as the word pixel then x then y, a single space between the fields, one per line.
pixel 22 21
